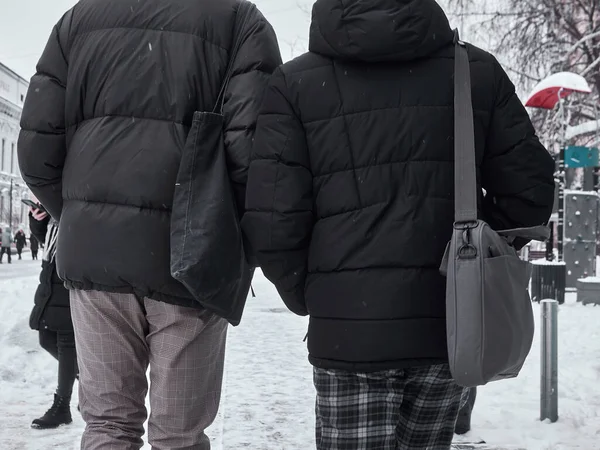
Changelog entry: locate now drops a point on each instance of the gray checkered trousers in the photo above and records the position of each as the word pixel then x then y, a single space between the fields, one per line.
pixel 410 409
pixel 118 336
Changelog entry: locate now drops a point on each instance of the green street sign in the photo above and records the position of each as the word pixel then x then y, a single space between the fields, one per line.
pixel 577 156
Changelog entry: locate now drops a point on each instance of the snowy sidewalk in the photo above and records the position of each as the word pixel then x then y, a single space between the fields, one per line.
pixel 268 400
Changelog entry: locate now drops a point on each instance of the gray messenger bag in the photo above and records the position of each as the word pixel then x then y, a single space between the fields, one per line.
pixel 489 316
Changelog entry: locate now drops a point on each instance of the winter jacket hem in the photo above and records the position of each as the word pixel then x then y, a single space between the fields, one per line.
pixel 375 366
pixel 157 296
pixel 373 345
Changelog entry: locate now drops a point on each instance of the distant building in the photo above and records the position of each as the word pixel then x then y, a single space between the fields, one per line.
pixel 13 89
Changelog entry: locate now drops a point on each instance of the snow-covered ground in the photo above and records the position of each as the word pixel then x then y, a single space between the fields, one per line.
pixel 268 400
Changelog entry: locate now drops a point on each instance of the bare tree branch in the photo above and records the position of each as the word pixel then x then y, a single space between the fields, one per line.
pixel 535 38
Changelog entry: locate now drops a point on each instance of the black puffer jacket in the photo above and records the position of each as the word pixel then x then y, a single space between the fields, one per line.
pixel 20 240
pixel 34 244
pixel 105 120
pixel 52 308
pixel 350 192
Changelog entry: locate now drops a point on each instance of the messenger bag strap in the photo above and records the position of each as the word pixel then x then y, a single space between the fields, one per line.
pixel 465 182
pixel 241 18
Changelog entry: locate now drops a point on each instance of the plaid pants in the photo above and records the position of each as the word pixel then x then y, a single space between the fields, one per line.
pixel 409 409
pixel 118 336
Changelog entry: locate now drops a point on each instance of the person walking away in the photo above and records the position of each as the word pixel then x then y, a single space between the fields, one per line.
pixel 350 206
pixel 103 126
pixel 5 244
pixel 21 241
pixel 34 245
pixel 51 317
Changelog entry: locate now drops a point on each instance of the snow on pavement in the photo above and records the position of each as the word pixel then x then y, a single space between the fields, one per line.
pixel 268 398
pixel 267 401
pixel 19 269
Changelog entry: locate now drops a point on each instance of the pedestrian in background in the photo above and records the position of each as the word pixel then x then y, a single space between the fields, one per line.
pixel 6 239
pixel 21 242
pixel 51 317
pixel 34 245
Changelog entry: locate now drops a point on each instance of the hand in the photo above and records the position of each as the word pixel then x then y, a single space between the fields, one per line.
pixel 38 214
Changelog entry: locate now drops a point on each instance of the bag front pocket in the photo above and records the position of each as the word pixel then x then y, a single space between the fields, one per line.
pixel 508 316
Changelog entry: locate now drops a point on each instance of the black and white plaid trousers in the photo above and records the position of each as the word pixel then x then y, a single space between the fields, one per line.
pixel 410 409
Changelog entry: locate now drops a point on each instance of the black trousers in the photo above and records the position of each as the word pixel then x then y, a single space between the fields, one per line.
pixel 463 421
pixel 61 345
pixel 4 250
pixel 34 254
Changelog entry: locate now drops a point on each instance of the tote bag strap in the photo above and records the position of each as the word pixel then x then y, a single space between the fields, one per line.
pixel 241 18
pixel 465 183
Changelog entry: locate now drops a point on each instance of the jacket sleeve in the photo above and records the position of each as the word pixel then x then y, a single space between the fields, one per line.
pixel 517 171
pixel 257 58
pixel 39 228
pixel 279 204
pixel 42 143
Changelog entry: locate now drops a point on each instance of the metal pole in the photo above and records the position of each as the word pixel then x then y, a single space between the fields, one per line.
pixel 588 179
pixel 549 365
pixel 10 195
pixel 561 203
pixel 561 175
pixel 550 244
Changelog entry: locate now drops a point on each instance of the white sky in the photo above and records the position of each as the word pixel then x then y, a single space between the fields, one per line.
pixel 26 24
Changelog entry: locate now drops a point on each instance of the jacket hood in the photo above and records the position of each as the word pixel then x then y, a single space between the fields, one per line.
pixel 378 30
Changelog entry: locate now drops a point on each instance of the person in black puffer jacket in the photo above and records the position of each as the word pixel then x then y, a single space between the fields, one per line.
pixel 21 242
pixel 34 245
pixel 350 207
pixel 51 316
pixel 102 132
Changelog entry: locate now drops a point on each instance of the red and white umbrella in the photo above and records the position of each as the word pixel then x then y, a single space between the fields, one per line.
pixel 560 85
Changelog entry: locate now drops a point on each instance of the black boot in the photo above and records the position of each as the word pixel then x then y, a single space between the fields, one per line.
pixel 59 414
pixel 463 423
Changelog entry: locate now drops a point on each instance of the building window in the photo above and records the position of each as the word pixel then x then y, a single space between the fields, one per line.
pixel 12 158
pixel 3 151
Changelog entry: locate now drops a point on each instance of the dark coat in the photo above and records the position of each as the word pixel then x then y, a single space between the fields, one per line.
pixel 34 244
pixel 20 240
pixel 52 308
pixel 350 193
pixel 105 120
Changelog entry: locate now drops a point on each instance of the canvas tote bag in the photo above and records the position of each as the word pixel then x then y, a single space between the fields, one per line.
pixel 489 316
pixel 207 252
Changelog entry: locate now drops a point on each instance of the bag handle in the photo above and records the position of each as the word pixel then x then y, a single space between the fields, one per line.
pixel 241 17
pixel 540 233
pixel 465 182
